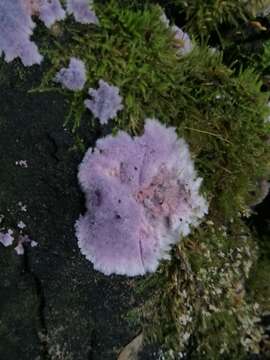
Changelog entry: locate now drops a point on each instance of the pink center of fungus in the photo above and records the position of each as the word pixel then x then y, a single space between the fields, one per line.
pixel 161 197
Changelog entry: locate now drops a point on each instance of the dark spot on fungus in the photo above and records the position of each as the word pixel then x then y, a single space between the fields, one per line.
pixel 167 221
pixel 97 198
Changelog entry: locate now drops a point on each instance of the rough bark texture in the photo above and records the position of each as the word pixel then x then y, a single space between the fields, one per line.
pixel 53 305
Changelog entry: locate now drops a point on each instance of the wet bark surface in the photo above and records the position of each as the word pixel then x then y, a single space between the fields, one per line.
pixel 53 305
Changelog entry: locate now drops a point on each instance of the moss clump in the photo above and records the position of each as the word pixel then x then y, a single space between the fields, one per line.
pixel 201 307
pixel 220 120
pixel 204 17
pixel 259 285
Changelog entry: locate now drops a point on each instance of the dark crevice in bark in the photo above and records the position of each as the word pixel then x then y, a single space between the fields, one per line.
pixel 42 328
pixel 54 145
pixel 90 354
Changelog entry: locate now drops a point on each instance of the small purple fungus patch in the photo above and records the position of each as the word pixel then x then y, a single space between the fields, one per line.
pixel 142 195
pixel 183 42
pixel 21 225
pixel 50 11
pixel 19 249
pixel 24 240
pixel 16 28
pixel 6 238
pixel 105 102
pixel 73 77
pixel 82 11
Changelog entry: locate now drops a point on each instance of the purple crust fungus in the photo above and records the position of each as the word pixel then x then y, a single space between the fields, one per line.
pixel 24 240
pixel 16 25
pixel 105 102
pixel 73 77
pixel 6 238
pixel 183 42
pixel 50 11
pixel 82 11
pixel 16 28
pixel 142 196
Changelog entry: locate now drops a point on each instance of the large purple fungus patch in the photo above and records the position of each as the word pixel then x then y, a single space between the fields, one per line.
pixel 142 196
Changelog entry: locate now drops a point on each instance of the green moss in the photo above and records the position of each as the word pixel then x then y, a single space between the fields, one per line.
pixel 199 297
pixel 220 125
pixel 203 17
pixel 259 285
